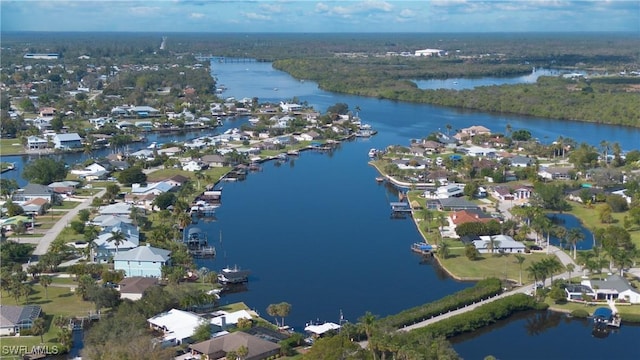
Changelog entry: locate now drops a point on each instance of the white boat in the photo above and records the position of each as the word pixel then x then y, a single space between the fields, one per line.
pixel 373 153
pixel 233 275
pixel 254 120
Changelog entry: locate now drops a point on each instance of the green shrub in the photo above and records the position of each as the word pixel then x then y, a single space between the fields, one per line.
pixel 580 313
pixel 634 318
pixel 482 316
pixel 482 290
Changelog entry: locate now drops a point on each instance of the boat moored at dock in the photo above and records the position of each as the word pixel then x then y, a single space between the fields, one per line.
pixel 233 275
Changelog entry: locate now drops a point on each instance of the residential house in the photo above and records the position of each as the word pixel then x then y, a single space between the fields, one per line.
pixel 142 200
pixel 142 261
pixel 94 171
pixel 67 141
pixel 133 287
pixel 289 107
pixel 522 192
pixel 431 146
pixel 176 180
pixel 143 111
pixel 465 216
pixel 176 325
pixel 152 188
pixel 450 190
pixel 36 143
pixel 555 173
pixel 15 318
pixel 144 154
pixel 193 165
pixel 521 161
pixel 214 160
pixel 170 151
pixel 502 193
pixel 35 206
pixel 47 112
pixel 472 131
pixel 106 247
pixel 34 191
pixel 477 151
pixel 455 204
pixel 116 209
pixel 219 347
pixel 501 244
pixel 104 221
pixel 614 287
pixel 591 192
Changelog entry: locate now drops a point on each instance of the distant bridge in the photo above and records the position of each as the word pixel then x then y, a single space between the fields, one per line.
pixel 222 59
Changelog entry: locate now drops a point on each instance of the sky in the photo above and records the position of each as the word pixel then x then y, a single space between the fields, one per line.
pixel 302 16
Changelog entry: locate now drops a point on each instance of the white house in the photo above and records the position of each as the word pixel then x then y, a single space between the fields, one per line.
pixel 133 288
pixel 289 107
pixel 192 165
pixel 67 141
pixel 614 287
pixel 502 244
pixel 447 191
pixel 177 325
pixel 34 142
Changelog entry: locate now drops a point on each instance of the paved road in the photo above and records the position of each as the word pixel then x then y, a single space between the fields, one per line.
pixel 46 240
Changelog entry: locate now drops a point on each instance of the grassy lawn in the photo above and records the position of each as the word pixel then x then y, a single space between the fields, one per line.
pixel 166 173
pixel 487 265
pixel 67 205
pixel 570 306
pixel 11 146
pixel 591 220
pixel 50 338
pixel 57 301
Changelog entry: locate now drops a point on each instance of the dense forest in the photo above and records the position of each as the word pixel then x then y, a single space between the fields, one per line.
pixel 611 100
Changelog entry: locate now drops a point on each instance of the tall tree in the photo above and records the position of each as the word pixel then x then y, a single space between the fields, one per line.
pixel 45 281
pixel 520 260
pixel 45 171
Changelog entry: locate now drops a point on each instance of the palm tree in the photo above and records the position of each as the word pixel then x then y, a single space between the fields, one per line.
pixel 535 272
pixel 493 244
pixel 45 281
pixel 37 328
pixel 117 237
pixel 242 352
pixel 570 268
pixel 520 259
pixel 605 151
pixel 508 129
pixel 574 237
pixel 443 249
pixel 551 265
pixel 272 310
pixel 427 215
pixel 368 321
pixel 442 221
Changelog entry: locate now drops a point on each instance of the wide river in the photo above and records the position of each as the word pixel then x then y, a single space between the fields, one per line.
pixel 316 231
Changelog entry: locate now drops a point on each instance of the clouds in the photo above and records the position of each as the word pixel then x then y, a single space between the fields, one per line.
pixel 316 16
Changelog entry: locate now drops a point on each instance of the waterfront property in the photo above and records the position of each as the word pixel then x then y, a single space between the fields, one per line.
pixel 142 261
pixel 614 287
pixel 15 318
pixel 133 287
pixel 498 243
pixel 219 347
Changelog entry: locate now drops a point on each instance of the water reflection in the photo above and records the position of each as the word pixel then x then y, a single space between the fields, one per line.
pixel 569 221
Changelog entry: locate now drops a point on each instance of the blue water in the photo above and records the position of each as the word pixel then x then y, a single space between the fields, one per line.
pixel 547 335
pixel 471 83
pixel 569 221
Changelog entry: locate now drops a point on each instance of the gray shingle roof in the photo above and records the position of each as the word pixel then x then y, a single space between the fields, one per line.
pixel 143 253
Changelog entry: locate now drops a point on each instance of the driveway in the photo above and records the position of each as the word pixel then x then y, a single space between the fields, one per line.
pixel 46 240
